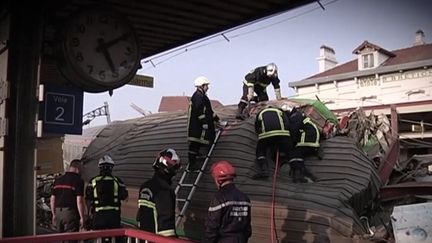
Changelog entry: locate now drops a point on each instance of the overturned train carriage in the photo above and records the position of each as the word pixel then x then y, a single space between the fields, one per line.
pixel 328 210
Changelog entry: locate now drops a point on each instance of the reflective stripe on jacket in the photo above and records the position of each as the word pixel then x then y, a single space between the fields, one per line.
pixel 310 135
pixel 156 206
pixel 201 113
pixel 106 192
pixel 229 217
pixel 258 76
pixel 304 132
pixel 271 122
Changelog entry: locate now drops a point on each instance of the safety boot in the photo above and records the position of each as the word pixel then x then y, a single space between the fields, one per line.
pixel 299 176
pixel 194 165
pixel 239 113
pixel 263 169
pixel 320 153
pixel 285 169
pixel 297 170
pixel 240 109
pixel 308 175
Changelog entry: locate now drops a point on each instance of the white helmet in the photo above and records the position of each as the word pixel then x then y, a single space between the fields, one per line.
pixel 271 70
pixel 106 160
pixel 201 80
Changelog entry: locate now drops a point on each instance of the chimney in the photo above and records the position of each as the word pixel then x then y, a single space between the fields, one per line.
pixel 327 59
pixel 419 38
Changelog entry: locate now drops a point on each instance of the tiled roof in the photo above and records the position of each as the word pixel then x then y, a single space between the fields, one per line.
pixel 177 103
pixel 412 54
pixel 401 56
pixel 367 44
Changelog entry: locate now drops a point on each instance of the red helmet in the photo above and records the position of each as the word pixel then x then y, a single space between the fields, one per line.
pixel 222 171
pixel 167 161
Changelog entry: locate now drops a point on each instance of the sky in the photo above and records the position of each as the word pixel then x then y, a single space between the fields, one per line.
pixel 291 40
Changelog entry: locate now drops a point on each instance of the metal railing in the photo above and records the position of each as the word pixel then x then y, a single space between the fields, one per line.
pixel 129 235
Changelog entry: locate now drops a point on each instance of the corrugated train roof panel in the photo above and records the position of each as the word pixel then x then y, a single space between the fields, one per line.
pixel 327 209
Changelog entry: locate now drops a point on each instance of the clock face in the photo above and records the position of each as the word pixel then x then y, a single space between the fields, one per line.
pixel 101 49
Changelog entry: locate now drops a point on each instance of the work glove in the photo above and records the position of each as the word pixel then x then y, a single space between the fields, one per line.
pixel 204 126
pixel 250 93
pixel 278 94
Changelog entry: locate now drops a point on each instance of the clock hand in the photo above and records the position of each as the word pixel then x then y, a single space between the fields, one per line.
pixel 102 47
pixel 112 42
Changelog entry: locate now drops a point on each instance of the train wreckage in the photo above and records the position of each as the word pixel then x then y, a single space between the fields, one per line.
pixel 359 179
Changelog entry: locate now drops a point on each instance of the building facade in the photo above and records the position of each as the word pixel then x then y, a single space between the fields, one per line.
pixel 377 80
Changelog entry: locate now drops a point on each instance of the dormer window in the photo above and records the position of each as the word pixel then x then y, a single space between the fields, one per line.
pixel 371 56
pixel 368 60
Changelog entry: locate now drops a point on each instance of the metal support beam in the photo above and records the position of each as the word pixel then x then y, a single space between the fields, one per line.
pixel 394 121
pixel 100 111
pixel 390 161
pixel 26 26
pixel 4 95
pixel 392 156
pixel 108 114
pixel 407 189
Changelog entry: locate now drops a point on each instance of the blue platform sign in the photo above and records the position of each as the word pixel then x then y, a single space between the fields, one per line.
pixel 62 110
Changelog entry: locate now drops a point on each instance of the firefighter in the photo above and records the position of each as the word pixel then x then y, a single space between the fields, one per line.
pixel 306 137
pixel 67 200
pixel 105 193
pixel 229 215
pixel 156 200
pixel 201 121
pixel 272 127
pixel 256 81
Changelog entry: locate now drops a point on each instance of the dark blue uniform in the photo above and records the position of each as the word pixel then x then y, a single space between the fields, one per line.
pixel 229 217
pixel 273 129
pixel 306 137
pixel 156 204
pixel 106 193
pixel 305 134
pixel 66 189
pixel 200 113
pixel 259 80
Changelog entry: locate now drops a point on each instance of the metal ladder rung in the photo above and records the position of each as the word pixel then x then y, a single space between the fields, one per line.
pixel 194 171
pixel 186 185
pixel 194 186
